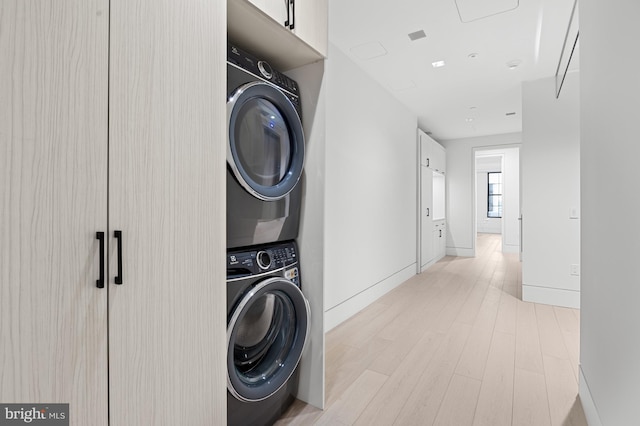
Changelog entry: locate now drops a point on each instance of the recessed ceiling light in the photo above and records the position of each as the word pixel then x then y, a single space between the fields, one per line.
pixel 417 35
pixel 472 55
pixel 512 65
pixel 437 64
pixel 468 119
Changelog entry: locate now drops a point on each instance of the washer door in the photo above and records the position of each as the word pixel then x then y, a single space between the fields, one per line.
pixel 266 142
pixel 265 339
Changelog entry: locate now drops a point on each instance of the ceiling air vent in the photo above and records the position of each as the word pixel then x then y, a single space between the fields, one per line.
pixel 473 10
pixel 417 35
pixel 369 50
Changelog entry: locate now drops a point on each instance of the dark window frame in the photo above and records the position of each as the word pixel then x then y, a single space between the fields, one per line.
pixel 490 195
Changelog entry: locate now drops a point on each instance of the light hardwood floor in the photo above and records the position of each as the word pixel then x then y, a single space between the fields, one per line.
pixel 453 346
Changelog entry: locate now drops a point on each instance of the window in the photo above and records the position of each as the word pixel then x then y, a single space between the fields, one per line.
pixel 494 195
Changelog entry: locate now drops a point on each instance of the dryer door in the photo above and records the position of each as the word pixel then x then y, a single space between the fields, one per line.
pixel 265 149
pixel 266 335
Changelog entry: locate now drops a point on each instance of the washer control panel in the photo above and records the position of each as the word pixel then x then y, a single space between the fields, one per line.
pixel 261 259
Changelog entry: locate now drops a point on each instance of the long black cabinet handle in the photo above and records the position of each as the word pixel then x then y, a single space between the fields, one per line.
pixel 118 236
pixel 100 281
pixel 427 211
pixel 286 23
pixel 293 15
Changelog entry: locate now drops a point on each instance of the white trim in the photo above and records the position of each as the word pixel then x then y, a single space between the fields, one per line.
pixel 462 252
pixel 428 265
pixel 589 407
pixel 551 296
pixel 345 310
pixel 510 248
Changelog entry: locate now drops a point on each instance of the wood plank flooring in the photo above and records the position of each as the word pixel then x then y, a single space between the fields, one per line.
pixel 454 345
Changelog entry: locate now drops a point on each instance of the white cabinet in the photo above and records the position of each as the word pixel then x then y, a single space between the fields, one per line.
pixel 439 240
pixel 166 193
pixel 99 136
pixel 288 33
pixel 278 10
pixel 306 19
pixel 438 158
pixel 426 218
pixel 425 144
pixel 311 23
pixel 432 202
pixel 53 199
pixel 432 154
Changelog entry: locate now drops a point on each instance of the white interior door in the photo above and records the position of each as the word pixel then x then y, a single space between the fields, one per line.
pixel 53 199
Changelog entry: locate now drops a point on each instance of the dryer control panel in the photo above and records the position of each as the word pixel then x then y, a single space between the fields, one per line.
pixel 261 259
pixel 261 69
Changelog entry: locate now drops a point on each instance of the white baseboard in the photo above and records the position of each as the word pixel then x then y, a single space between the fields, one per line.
pixel 589 407
pixel 430 263
pixel 345 310
pixel 461 252
pixel 510 248
pixel 551 296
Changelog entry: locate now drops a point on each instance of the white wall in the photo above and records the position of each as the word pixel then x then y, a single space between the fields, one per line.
pixel 484 165
pixel 610 318
pixel 370 191
pixel 312 81
pixel 551 191
pixel 461 210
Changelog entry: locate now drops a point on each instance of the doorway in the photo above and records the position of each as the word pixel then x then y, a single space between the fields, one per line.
pixel 497 195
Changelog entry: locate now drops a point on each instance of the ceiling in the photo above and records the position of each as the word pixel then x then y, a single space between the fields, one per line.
pixel 474 91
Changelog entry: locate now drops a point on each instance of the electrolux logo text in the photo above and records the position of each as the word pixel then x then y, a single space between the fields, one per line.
pixel 36 414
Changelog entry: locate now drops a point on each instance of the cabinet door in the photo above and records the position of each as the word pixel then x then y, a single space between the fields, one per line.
pixel 310 23
pixel 439 241
pixel 442 248
pixel 276 9
pixel 425 148
pixel 439 157
pixel 53 199
pixel 167 195
pixel 426 216
pixel 436 243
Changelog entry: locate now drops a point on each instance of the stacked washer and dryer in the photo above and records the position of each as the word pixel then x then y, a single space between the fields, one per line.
pixel 267 313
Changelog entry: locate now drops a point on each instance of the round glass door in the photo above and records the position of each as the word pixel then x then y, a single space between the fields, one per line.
pixel 265 339
pixel 266 141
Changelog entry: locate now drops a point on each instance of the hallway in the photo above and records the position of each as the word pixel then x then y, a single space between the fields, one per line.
pixel 454 345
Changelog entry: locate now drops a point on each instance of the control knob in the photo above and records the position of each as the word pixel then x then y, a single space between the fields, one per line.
pixel 265 69
pixel 263 259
